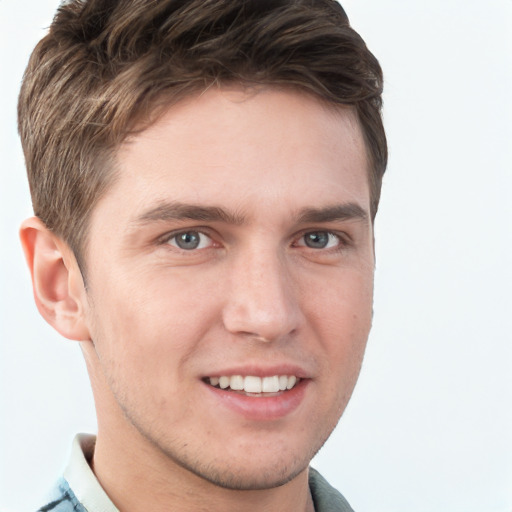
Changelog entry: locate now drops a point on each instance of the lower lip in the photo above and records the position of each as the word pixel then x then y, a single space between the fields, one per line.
pixel 262 408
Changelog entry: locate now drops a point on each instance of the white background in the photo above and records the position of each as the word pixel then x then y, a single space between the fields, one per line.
pixel 429 428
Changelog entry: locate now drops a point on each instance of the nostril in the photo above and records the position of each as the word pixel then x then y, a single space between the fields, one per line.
pixel 258 337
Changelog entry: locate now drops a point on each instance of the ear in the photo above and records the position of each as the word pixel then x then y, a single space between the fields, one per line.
pixel 57 282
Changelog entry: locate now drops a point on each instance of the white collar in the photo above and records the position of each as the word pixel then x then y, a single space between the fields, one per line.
pixel 82 480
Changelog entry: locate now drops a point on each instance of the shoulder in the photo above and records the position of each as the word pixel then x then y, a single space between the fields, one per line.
pixel 325 497
pixel 62 499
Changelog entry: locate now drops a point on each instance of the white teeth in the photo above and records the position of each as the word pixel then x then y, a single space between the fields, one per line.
pixel 224 382
pixel 236 383
pixel 291 382
pixel 270 384
pixel 253 384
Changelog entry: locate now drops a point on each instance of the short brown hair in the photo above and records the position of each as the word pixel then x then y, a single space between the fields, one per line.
pixel 105 65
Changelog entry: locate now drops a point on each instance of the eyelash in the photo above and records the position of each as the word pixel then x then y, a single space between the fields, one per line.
pixel 167 239
pixel 341 241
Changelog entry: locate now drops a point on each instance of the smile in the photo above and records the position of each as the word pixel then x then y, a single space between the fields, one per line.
pixel 254 385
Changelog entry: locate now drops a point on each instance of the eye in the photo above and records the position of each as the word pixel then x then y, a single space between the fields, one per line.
pixel 319 240
pixel 190 240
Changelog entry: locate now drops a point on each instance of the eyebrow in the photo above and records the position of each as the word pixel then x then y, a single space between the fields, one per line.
pixel 182 211
pixel 341 212
pixel 172 211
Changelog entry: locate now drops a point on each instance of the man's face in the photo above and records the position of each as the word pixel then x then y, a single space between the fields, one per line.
pixel 235 248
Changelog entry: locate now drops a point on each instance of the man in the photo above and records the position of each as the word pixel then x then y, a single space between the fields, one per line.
pixel 205 176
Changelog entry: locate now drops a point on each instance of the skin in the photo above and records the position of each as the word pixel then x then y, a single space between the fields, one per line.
pixel 155 320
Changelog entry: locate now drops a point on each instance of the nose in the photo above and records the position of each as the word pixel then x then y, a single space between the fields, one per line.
pixel 262 298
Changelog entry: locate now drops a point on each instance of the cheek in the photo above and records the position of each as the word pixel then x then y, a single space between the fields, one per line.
pixel 151 320
pixel 342 317
pixel 344 307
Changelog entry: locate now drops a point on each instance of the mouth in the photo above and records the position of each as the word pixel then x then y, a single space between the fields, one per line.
pixel 252 385
pixel 259 398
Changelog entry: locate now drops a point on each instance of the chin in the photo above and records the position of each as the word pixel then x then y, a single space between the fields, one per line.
pixel 250 477
pixel 258 465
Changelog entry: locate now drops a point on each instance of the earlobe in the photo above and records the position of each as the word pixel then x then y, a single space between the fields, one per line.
pixel 56 279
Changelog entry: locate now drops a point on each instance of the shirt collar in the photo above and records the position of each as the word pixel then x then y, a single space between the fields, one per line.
pixel 81 478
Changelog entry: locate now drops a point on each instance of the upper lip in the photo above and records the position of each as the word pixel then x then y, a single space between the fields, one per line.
pixel 262 371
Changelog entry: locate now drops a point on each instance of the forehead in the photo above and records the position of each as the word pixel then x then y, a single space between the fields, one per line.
pixel 237 148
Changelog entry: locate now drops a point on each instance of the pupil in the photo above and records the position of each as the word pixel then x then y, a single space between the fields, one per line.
pixel 188 240
pixel 317 240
